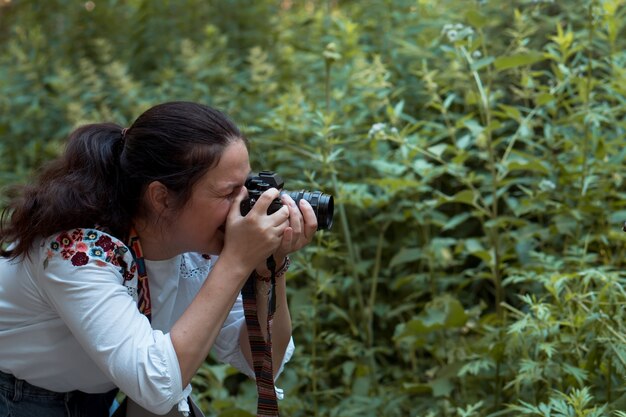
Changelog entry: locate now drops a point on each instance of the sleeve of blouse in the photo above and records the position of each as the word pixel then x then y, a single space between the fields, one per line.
pixel 82 277
pixel 227 348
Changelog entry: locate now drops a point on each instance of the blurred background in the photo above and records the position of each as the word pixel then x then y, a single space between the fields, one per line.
pixel 475 150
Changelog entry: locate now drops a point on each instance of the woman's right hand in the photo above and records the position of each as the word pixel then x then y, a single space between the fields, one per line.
pixel 254 237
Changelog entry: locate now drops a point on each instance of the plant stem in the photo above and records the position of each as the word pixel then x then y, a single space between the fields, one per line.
pixel 493 232
pixel 327 86
pixel 343 217
pixel 494 235
pixel 340 207
pixel 372 302
pixel 609 372
pixel 587 98
pixel 374 286
pixel 314 347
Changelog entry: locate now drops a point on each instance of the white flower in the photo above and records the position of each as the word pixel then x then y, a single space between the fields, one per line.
pixel 456 32
pixel 376 128
pixel 381 130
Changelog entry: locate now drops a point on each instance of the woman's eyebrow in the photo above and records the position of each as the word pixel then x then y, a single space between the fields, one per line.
pixel 230 185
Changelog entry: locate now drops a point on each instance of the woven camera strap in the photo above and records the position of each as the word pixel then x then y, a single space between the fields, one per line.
pixel 267 404
pixel 143 288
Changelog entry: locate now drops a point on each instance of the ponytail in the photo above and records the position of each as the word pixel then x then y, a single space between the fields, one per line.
pixel 100 178
pixel 81 188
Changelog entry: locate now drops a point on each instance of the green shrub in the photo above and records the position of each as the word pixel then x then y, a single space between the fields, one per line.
pixel 475 153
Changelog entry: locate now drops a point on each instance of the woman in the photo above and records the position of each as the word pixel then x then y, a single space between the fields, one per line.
pixel 130 218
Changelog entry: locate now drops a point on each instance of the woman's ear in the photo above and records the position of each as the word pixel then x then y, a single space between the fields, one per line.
pixel 157 198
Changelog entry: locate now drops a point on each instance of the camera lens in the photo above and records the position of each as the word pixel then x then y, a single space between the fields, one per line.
pixel 322 204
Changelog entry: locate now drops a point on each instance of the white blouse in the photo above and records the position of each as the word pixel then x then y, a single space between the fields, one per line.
pixel 69 319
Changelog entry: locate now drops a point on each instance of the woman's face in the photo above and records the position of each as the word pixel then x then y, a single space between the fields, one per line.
pixel 199 225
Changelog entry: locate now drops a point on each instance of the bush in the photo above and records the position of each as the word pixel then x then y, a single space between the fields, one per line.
pixel 475 154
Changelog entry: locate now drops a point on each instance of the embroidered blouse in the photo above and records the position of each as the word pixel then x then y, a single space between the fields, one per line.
pixel 69 319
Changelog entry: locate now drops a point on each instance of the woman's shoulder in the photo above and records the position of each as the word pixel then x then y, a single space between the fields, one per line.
pixel 82 246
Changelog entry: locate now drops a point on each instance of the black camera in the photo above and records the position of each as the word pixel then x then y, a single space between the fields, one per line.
pixel 322 204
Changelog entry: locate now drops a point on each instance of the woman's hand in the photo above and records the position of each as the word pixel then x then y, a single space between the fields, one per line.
pixel 299 233
pixel 255 236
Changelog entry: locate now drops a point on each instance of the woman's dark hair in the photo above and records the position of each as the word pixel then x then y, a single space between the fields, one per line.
pixel 100 178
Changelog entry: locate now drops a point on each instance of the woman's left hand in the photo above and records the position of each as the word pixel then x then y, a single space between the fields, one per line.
pixel 299 233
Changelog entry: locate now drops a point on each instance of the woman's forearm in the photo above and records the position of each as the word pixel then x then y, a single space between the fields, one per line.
pixel 281 325
pixel 196 330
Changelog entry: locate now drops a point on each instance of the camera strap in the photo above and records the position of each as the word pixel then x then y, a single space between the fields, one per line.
pixel 267 404
pixel 143 288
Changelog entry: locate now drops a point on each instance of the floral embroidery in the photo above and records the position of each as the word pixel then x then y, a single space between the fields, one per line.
pixel 105 243
pixel 97 252
pixel 80 245
pixel 90 235
pixel 77 234
pixel 80 258
pixel 65 240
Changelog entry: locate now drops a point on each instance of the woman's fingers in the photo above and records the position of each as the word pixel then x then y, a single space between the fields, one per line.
pixel 270 199
pixel 310 220
pixel 295 217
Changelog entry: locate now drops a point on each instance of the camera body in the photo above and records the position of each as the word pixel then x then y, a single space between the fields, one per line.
pixel 322 204
pixel 257 185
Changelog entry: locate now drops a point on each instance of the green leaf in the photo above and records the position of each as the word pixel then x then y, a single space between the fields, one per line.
pixel 397 110
pixel 473 245
pixel 442 387
pixel 617 218
pixel 393 185
pixel 544 98
pixel 511 112
pixel 406 255
pixel 416 388
pixel 484 255
pixel 476 366
pixel 456 220
pixel 438 150
pixel 528 165
pixel 465 196
pixel 565 224
pixel 518 60
pixel 476 19
pixel 443 312
pixel 389 168
pixel 482 63
pixel 579 374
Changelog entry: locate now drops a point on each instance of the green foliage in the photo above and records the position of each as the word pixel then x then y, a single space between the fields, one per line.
pixel 475 153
